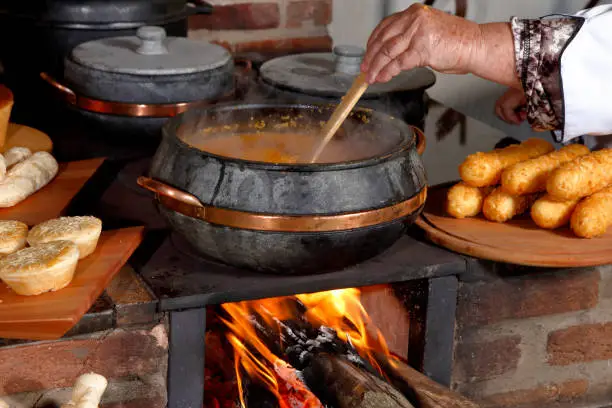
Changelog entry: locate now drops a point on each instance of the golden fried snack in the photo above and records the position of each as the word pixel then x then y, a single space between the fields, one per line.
pixel 549 213
pixel 530 176
pixel 465 201
pixel 593 215
pixel 581 177
pixel 484 169
pixel 500 206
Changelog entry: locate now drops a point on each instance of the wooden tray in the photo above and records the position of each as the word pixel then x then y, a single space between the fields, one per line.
pixel 52 200
pixel 25 136
pixel 50 315
pixel 519 241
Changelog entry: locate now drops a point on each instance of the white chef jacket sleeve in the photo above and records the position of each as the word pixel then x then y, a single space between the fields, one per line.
pixel 564 64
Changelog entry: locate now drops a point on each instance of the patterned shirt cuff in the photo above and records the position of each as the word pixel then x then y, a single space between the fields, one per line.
pixel 538 47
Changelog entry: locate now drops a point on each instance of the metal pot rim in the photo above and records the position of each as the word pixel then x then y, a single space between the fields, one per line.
pixel 169 131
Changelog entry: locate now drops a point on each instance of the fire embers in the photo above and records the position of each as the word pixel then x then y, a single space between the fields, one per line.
pixel 316 350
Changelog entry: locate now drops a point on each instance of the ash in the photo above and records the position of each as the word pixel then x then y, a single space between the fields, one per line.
pixel 325 339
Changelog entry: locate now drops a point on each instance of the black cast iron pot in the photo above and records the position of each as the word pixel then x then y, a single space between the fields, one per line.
pixel 289 218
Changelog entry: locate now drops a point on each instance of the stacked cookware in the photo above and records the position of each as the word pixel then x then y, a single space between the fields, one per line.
pixel 38 35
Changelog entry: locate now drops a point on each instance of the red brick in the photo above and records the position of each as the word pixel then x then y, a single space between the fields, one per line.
pixel 40 366
pixel 482 360
pixel 317 11
pixel 242 16
pixel 537 397
pixel 577 344
pixel 138 403
pixel 286 45
pixel 527 296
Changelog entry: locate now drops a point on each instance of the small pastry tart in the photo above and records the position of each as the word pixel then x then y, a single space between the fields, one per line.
pixel 40 268
pixel 83 231
pixel 13 236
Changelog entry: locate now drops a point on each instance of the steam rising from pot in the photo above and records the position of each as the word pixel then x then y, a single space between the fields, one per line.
pixel 286 134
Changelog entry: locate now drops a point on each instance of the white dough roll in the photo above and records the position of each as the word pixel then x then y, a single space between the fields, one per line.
pixel 26 178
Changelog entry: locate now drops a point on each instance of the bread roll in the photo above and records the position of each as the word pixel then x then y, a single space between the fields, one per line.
pixel 26 178
pixel 530 176
pixel 83 231
pixel 15 155
pixel 593 215
pixel 13 236
pixel 6 106
pixel 581 177
pixel 485 169
pixel 40 268
pixel 87 391
pixel 465 201
pixel 549 213
pixel 500 206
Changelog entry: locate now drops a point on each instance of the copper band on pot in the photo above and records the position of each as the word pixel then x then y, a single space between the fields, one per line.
pixel 130 109
pixel 189 205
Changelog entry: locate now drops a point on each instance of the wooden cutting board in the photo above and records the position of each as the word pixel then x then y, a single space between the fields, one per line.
pixel 51 201
pixel 518 241
pixel 25 136
pixel 50 315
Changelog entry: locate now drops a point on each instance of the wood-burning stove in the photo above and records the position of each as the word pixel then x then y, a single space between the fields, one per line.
pixel 187 284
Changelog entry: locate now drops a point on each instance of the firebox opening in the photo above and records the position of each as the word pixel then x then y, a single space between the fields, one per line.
pixel 329 349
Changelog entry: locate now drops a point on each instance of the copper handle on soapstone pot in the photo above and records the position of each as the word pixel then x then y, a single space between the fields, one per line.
pixel 164 190
pixel 421 142
pixel 187 204
pixel 68 94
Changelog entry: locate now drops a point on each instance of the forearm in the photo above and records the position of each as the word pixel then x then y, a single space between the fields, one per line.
pixel 494 57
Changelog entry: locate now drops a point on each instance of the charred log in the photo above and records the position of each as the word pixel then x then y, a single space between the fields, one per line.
pixel 298 341
pixel 429 394
pixel 341 384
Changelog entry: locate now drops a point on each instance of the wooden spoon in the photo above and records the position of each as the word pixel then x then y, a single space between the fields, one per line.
pixel 340 114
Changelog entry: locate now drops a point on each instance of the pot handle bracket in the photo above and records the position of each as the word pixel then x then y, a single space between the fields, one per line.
pixel 164 190
pixel 421 140
pixel 66 93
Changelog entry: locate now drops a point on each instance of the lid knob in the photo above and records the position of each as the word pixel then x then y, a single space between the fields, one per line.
pixel 348 59
pixel 152 40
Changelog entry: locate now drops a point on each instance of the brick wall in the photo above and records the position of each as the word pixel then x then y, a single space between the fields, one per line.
pixel 538 340
pixel 267 26
pixel 134 360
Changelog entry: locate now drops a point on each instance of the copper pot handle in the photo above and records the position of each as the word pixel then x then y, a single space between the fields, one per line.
pixel 163 189
pixel 421 140
pixel 67 93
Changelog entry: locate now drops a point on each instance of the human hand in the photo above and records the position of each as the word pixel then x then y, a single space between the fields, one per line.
pixel 510 106
pixel 417 37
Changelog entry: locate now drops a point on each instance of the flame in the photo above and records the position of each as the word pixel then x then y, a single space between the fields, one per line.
pixel 340 310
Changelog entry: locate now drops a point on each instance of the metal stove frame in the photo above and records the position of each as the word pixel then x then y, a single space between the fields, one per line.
pixel 185 285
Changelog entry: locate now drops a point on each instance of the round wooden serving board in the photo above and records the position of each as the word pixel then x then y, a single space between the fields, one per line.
pixel 518 241
pixel 25 136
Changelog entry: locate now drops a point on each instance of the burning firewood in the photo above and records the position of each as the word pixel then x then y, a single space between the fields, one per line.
pixel 342 384
pixel 429 393
pixel 318 346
